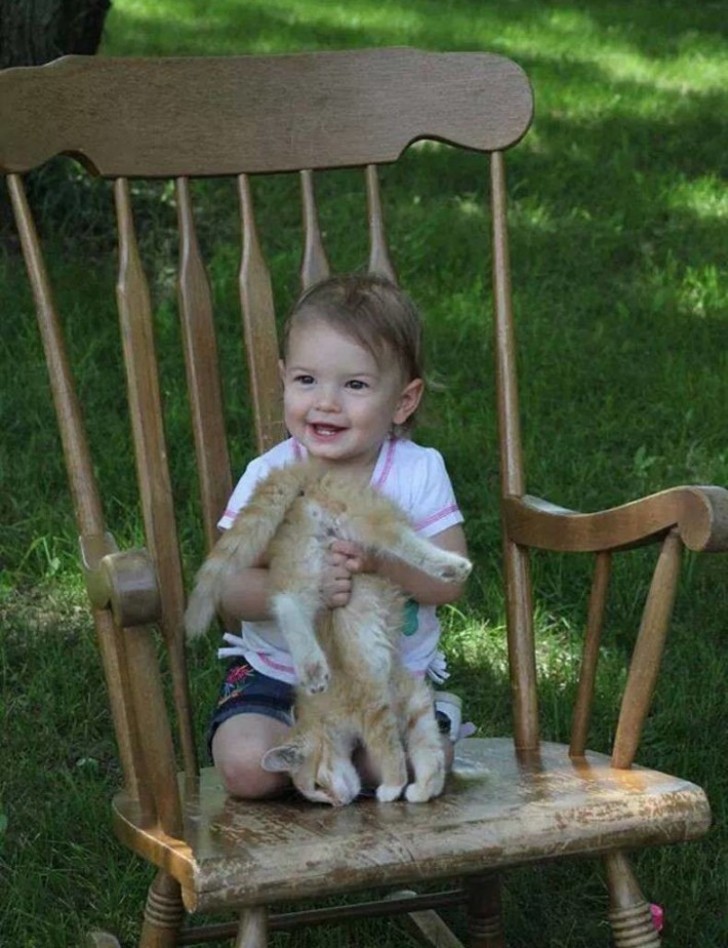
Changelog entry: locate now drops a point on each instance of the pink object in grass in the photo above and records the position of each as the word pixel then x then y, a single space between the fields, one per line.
pixel 658 916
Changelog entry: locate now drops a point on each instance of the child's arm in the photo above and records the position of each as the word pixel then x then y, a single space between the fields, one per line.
pixel 418 585
pixel 246 595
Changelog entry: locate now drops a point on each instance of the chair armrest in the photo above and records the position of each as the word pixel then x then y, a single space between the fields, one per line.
pixel 125 582
pixel 699 514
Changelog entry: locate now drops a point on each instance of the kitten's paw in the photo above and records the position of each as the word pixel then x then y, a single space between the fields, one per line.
pixel 387 793
pixel 314 676
pixel 422 792
pixel 456 570
pixel 427 787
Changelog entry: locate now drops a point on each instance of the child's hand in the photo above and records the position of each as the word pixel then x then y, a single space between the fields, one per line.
pixel 343 559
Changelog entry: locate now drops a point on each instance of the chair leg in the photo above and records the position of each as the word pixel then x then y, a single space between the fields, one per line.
pixel 428 929
pixel 485 917
pixel 99 939
pixel 629 915
pixel 163 913
pixel 425 926
pixel 253 929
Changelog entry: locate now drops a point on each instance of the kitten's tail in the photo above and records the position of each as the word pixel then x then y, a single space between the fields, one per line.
pixel 246 540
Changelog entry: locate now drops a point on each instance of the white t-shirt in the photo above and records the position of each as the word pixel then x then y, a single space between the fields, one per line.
pixel 413 477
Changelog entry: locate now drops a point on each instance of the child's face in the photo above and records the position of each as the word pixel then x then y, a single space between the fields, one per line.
pixel 339 402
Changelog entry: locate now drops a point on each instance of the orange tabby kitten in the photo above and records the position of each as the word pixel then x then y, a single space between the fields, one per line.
pixel 352 687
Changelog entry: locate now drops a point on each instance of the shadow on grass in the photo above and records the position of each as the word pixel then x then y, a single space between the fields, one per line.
pixel 257 26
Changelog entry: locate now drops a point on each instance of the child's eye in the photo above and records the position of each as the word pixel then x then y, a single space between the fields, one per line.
pixel 303 379
pixel 357 384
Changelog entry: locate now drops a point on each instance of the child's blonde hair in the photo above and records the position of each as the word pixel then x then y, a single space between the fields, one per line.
pixel 370 309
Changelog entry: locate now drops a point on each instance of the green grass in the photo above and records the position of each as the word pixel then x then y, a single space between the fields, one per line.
pixel 619 215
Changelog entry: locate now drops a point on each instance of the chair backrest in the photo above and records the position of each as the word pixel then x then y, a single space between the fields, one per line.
pixel 239 117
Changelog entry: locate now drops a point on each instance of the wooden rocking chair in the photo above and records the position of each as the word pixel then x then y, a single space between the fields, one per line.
pixel 510 801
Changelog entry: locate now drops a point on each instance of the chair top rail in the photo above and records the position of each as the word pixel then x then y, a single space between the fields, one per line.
pixel 151 117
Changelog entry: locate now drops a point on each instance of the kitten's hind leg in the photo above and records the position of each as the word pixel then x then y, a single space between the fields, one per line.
pixel 295 617
pixel 424 749
pixel 431 559
pixel 394 536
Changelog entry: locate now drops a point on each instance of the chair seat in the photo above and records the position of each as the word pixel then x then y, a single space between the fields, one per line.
pixel 500 808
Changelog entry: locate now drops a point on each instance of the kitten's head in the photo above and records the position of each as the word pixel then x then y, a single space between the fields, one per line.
pixel 319 772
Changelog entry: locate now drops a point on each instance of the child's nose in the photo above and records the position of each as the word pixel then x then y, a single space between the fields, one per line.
pixel 327 399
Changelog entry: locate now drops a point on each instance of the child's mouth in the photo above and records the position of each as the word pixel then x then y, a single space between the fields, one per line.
pixel 326 431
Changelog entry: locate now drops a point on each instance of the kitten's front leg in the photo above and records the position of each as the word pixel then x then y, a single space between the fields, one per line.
pixel 394 774
pixel 382 741
pixel 295 616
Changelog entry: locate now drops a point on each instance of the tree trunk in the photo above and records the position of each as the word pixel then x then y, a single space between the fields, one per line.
pixel 36 31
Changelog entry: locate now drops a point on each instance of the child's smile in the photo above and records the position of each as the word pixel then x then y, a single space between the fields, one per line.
pixel 326 431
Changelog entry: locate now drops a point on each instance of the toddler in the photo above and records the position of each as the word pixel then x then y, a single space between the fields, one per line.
pixel 352 381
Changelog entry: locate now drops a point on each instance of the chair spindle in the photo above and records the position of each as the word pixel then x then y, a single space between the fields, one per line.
pixel 314 264
pixel 647 654
pixel 515 560
pixel 256 296
pixel 86 499
pixel 590 656
pixel 157 747
pixel 379 259
pixel 82 482
pixel 203 378
pixel 145 404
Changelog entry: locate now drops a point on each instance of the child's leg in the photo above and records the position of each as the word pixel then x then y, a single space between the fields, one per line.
pixel 237 748
pixel 253 714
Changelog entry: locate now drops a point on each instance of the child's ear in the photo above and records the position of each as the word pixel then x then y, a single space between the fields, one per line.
pixel 408 401
pixel 287 758
pixel 282 369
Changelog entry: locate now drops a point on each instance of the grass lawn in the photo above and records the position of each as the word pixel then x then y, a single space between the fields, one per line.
pixel 619 213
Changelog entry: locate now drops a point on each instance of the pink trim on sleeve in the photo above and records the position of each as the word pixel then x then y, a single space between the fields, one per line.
pixel 433 518
pixel 388 463
pixel 278 666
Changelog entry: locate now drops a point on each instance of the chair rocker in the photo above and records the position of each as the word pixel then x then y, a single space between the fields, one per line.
pixel 510 801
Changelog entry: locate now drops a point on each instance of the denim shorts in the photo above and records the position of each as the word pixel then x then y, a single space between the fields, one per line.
pixel 244 690
pixel 247 691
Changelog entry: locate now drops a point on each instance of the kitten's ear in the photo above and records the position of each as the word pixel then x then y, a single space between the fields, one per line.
pixel 288 758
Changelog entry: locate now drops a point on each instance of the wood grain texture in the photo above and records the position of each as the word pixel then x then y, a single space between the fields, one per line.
pixel 203 373
pixel 647 655
pixel 590 655
pixel 500 809
pixel 485 912
pixel 259 328
pixel 163 913
pixel 79 466
pixel 379 259
pixel 629 915
pixel 314 263
pixel 229 115
pixel 700 515
pixel 150 450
